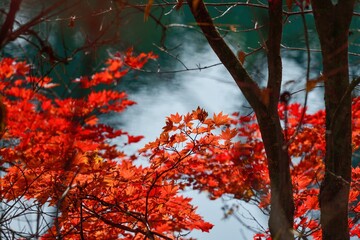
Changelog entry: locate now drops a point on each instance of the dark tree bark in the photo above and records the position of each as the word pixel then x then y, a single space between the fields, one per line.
pixel 282 206
pixel 8 24
pixel 332 23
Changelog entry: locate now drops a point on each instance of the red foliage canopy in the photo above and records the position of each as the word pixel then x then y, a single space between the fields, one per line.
pixel 223 155
pixel 55 151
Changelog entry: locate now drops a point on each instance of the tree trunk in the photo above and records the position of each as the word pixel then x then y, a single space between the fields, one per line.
pixel 282 206
pixel 282 203
pixel 332 23
pixel 265 107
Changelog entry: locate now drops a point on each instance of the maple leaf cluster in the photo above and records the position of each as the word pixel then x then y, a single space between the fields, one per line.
pixel 224 155
pixel 56 152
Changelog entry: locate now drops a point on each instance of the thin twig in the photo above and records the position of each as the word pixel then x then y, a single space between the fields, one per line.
pixel 306 34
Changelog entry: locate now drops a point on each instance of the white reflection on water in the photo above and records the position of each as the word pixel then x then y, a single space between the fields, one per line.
pixel 194 89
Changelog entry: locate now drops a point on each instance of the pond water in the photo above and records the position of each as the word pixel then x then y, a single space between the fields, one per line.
pixel 213 90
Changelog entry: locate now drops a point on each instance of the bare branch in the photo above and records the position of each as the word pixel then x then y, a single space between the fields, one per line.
pixel 246 84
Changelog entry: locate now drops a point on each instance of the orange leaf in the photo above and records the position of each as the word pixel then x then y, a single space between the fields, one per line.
pixel 195 4
pixel 147 9
pixel 92 120
pixel 204 226
pixel 161 228
pixel 311 84
pixel 265 96
pixel 232 28
pixel 114 64
pixel 200 114
pixel 134 139
pixel 169 125
pixel 175 118
pixel 241 56
pixel 220 119
pixel 228 134
pixel 289 4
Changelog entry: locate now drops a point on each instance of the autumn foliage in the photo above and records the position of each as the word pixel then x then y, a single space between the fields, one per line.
pixel 56 151
pixel 224 155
